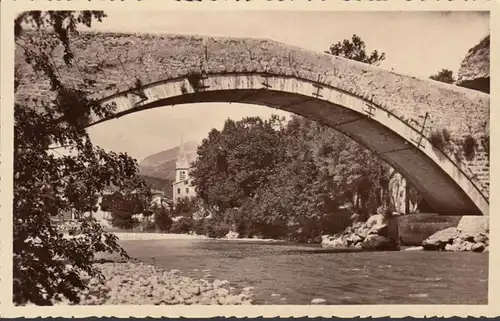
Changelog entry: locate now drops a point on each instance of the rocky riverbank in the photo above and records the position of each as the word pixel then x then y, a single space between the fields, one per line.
pixel 143 284
pixel 374 234
pixel 471 234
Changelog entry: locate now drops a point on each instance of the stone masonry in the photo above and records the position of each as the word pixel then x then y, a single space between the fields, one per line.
pixel 111 64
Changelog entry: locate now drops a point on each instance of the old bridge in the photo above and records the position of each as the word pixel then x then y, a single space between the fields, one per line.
pixel 392 114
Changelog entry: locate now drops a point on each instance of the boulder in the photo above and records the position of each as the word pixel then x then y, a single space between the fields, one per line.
pixel 481 238
pixel 378 242
pixel 318 301
pixel 362 232
pixel 478 247
pixel 333 243
pixel 455 247
pixel 471 226
pixel 232 235
pixel 377 225
pixel 352 239
pixel 438 240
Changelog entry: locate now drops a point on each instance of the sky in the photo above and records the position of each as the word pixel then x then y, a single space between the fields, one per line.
pixel 415 43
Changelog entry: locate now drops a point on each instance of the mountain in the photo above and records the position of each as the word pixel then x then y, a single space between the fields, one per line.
pixel 162 164
pixel 159 184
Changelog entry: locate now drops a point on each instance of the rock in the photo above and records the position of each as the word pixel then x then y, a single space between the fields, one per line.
pixel 362 232
pixel 219 283
pixel 195 290
pixel 353 239
pixel 335 243
pixel 486 249
pixel 232 235
pixel 373 220
pixel 470 226
pixel 318 301
pixel 438 240
pixel 455 247
pixel 378 242
pixel 478 247
pixel 481 238
pixel 247 289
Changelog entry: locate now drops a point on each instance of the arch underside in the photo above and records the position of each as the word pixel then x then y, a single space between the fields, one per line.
pixel 443 185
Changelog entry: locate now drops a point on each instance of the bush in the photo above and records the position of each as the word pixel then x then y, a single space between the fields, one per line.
pixel 162 219
pixel 123 219
pixel 216 229
pixel 440 139
pixel 469 146
pixel 182 226
pixel 199 227
pixel 149 226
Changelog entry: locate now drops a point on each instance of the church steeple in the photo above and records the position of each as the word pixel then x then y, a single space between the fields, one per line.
pixel 182 161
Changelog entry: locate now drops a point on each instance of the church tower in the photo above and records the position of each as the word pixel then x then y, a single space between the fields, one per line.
pixel 182 185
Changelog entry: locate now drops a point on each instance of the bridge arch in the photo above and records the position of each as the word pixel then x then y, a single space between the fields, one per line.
pixel 390 114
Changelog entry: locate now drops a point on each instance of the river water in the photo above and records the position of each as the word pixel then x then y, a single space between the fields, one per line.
pixel 295 274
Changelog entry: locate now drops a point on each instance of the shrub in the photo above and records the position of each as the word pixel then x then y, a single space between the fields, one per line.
pixel 182 226
pixel 199 227
pixel 149 226
pixel 162 219
pixel 123 219
pixel 485 142
pixel 440 139
pixel 216 229
pixel 469 146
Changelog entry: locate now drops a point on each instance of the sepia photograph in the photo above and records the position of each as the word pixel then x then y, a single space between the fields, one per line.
pixel 251 158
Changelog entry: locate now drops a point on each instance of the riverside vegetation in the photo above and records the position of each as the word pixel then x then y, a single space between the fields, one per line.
pixel 264 178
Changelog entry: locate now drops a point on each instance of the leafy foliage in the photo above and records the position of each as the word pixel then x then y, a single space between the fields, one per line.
pixel 469 146
pixel 444 75
pixel 356 50
pixel 182 226
pixel 300 176
pixel 123 207
pixel 441 139
pixel 162 218
pixel 233 162
pixel 58 170
pixel 289 180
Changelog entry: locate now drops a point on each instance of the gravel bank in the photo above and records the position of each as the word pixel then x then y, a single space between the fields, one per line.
pixel 144 284
pixel 126 236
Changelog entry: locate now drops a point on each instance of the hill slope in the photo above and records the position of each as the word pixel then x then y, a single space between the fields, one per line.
pixel 162 164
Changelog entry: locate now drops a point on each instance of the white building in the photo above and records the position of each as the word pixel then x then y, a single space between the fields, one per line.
pixel 182 185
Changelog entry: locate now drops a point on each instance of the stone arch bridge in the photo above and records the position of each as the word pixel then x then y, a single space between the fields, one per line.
pixel 394 115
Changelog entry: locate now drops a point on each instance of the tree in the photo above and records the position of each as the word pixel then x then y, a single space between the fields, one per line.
pixel 123 207
pixel 57 169
pixel 185 206
pixel 234 162
pixel 162 218
pixel 356 50
pixel 444 75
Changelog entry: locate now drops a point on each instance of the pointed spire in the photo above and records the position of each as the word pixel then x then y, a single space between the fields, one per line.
pixel 181 157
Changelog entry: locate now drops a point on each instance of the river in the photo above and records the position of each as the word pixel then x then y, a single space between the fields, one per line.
pixel 295 274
